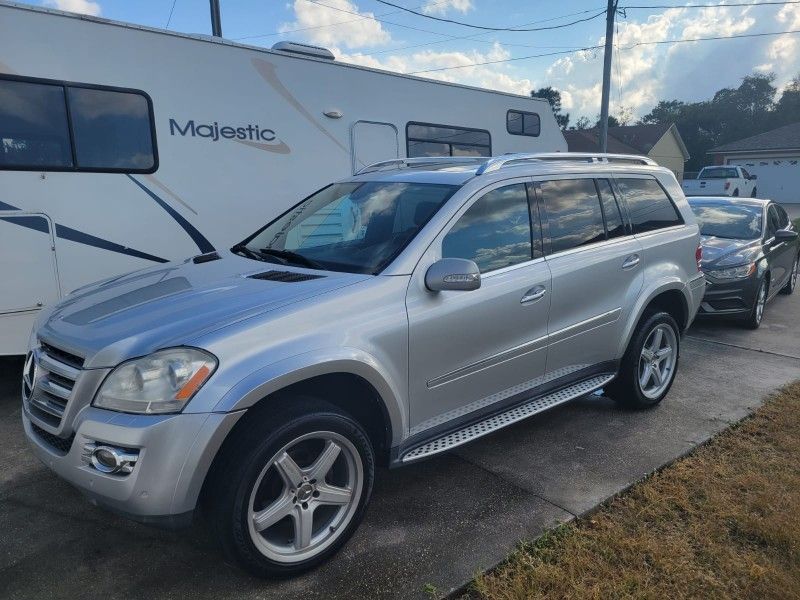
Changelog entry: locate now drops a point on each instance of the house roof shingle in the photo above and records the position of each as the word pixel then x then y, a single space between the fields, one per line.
pixel 782 138
pixel 587 140
pixel 641 137
pixel 628 139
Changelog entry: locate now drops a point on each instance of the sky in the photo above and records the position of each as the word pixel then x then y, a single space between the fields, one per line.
pixel 369 33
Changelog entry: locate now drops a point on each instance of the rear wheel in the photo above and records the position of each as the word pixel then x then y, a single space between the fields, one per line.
pixel 753 320
pixel 736 193
pixel 650 363
pixel 291 489
pixel 792 283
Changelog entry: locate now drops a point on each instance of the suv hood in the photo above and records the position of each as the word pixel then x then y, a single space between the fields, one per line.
pixel 172 304
pixel 723 252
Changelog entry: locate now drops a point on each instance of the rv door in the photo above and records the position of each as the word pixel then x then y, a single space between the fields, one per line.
pixel 373 141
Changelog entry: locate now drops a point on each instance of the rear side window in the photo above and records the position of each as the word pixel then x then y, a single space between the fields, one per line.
pixel 424 139
pixel 648 205
pixel 56 126
pixel 615 226
pixel 495 232
pixel 523 123
pixel 573 213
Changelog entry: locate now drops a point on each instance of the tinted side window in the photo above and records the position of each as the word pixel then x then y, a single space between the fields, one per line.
pixel 443 140
pixel 33 126
pixel 648 204
pixel 112 129
pixel 773 221
pixel 523 123
pixel 783 218
pixel 573 213
pixel 495 231
pixel 614 223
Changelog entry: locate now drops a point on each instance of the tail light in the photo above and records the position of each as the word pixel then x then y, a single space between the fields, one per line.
pixel 698 255
pixel 727 185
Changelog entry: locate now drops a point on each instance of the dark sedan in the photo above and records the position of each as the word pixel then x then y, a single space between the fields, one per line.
pixel 750 253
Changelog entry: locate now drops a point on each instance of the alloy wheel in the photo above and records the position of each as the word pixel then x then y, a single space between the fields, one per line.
pixel 793 278
pixel 761 301
pixel 305 497
pixel 657 361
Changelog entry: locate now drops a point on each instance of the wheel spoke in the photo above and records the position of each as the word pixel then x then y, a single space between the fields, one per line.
pixel 644 378
pixel 290 472
pixel 303 528
pixel 648 354
pixel 657 337
pixel 657 376
pixel 325 461
pixel 662 354
pixel 331 494
pixel 273 513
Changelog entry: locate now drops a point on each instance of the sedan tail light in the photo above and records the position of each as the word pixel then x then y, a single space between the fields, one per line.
pixel 727 185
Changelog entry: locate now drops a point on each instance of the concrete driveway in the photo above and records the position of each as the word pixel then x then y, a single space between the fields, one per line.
pixel 432 524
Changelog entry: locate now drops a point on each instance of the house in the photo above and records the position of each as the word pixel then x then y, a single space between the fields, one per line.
pixel 773 156
pixel 661 142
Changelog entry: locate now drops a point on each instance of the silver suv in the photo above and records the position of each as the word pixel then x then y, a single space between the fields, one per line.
pixel 396 314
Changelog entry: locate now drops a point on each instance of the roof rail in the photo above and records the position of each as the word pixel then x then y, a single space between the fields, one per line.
pixel 497 163
pixel 402 163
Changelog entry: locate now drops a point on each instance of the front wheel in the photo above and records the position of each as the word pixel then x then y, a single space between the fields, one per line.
pixel 291 489
pixel 755 193
pixel 753 320
pixel 736 193
pixel 788 289
pixel 650 362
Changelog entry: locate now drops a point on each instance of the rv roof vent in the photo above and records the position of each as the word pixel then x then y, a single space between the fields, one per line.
pixel 285 276
pixel 304 49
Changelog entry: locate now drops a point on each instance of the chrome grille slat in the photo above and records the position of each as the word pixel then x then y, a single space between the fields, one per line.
pixel 44 403
pixel 56 374
pixel 54 366
pixel 51 387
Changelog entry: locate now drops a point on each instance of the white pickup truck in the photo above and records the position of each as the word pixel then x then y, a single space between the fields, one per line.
pixel 722 181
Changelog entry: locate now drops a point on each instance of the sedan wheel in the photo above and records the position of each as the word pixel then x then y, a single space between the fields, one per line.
pixel 657 361
pixel 792 283
pixel 305 497
pixel 754 320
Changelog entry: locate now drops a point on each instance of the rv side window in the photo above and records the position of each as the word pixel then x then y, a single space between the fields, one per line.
pixel 523 123
pixel 33 126
pixel 424 139
pixel 57 126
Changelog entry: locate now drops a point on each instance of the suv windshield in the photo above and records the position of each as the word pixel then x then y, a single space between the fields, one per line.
pixel 718 173
pixel 356 227
pixel 738 222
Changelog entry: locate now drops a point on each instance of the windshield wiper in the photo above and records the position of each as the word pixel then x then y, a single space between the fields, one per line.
pixel 243 250
pixel 293 257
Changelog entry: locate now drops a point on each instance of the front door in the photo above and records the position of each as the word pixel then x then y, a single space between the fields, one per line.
pixel 471 351
pixel 781 254
pixel 373 142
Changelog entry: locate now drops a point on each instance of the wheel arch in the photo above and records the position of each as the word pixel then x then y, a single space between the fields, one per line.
pixel 671 296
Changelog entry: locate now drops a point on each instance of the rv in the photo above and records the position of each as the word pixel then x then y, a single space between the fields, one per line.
pixel 124 146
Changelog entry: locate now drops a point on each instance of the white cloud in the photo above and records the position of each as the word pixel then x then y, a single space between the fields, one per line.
pixel 495 76
pixel 331 27
pixel 86 7
pixel 441 7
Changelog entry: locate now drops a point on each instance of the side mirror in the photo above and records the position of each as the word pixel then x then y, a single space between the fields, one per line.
pixel 753 177
pixel 456 274
pixel 785 235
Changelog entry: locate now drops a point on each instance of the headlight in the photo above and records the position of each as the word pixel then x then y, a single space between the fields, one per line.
pixel 739 272
pixel 160 383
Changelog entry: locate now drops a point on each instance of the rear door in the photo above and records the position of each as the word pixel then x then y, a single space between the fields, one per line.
pixel 371 142
pixel 596 267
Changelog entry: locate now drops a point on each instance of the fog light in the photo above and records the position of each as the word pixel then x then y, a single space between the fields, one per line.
pixel 109 459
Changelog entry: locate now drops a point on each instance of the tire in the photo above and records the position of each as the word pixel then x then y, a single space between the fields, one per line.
pixel 252 477
pixel 753 320
pixel 755 193
pixel 736 193
pixel 628 389
pixel 788 289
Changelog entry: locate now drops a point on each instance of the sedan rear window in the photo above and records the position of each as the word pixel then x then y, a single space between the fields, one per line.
pixel 729 221
pixel 718 173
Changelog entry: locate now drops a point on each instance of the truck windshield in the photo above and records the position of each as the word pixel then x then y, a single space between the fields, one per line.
pixel 718 173
pixel 737 222
pixel 354 227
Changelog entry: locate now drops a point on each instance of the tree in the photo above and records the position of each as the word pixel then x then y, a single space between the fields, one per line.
pixel 582 123
pixel 553 96
pixel 612 121
pixel 787 108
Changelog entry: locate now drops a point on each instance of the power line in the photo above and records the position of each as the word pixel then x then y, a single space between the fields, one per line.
pixel 350 12
pixel 486 28
pixel 171 10
pixel 739 4
pixel 630 47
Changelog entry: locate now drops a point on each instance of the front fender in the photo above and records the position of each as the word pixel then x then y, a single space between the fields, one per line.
pixel 278 375
pixel 646 297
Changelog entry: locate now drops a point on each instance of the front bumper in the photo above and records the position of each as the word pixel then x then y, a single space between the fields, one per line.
pixel 729 298
pixel 174 455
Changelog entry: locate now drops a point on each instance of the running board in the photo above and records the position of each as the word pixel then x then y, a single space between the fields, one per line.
pixel 518 413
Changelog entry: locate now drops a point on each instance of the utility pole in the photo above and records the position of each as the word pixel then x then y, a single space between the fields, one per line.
pixel 611 12
pixel 216 20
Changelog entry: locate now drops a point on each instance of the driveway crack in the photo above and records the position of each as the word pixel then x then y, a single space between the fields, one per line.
pixel 741 347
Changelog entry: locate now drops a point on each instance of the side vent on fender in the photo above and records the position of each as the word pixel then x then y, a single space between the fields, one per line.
pixel 285 276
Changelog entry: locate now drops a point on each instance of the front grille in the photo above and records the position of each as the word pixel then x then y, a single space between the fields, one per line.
pixel 63 356
pixel 48 383
pixel 285 276
pixel 59 444
pixel 728 304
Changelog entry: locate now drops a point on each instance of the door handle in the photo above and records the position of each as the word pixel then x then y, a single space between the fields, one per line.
pixel 631 261
pixel 534 294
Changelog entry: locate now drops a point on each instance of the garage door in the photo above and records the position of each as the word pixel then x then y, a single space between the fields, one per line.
pixel 778 178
